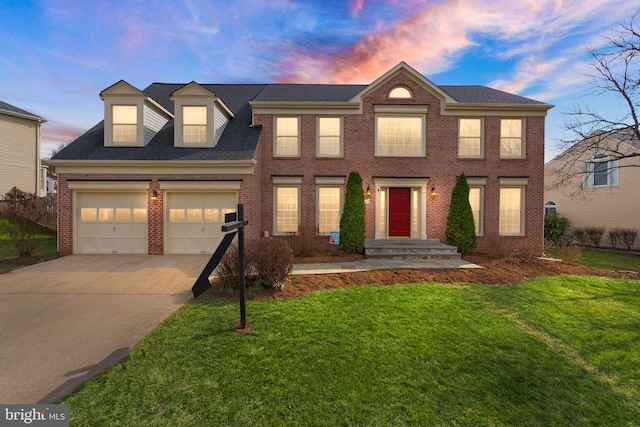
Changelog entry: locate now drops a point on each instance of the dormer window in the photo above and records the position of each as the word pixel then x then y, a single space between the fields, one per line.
pixel 125 123
pixel 194 128
pixel 400 92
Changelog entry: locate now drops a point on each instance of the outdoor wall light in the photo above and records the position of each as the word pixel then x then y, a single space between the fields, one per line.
pixel 368 192
pixel 154 195
pixel 433 192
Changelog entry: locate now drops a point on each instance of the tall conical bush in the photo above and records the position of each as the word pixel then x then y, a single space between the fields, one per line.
pixel 461 230
pixel 352 222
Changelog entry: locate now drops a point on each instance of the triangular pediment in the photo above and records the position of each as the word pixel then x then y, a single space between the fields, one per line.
pixel 404 68
pixel 121 88
pixel 193 89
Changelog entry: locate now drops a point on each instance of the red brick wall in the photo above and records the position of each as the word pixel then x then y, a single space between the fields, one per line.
pixel 155 209
pixel 441 165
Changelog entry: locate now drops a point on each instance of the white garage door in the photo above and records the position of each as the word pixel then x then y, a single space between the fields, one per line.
pixel 112 223
pixel 194 221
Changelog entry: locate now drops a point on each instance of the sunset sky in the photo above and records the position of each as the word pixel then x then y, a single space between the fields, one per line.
pixel 57 55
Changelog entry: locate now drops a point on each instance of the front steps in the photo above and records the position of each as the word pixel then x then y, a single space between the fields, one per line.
pixel 409 249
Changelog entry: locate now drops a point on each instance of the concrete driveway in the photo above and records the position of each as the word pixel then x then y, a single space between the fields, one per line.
pixel 64 321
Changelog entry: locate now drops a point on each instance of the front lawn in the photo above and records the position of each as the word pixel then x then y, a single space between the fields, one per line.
pixel 554 351
pixel 46 246
pixel 610 260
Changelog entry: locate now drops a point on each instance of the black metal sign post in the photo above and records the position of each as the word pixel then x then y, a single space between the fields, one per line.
pixel 239 225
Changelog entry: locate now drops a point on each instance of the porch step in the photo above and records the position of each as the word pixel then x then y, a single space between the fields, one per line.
pixel 409 248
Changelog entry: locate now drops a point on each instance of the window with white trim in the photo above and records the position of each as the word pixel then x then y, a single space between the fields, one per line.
pixel 601 172
pixel 476 200
pixel 470 137
pixel 400 135
pixel 511 211
pixel 329 137
pixel 287 137
pixel 329 209
pixel 194 124
pixel 512 138
pixel 125 123
pixel 287 212
pixel 550 207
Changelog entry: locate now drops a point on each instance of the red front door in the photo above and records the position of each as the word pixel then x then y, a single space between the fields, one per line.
pixel 399 212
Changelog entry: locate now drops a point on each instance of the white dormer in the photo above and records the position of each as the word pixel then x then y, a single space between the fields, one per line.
pixel 131 118
pixel 200 116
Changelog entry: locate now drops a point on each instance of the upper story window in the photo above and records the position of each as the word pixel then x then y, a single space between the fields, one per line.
pixel 601 172
pixel 400 135
pixel 125 123
pixel 470 138
pixel 329 137
pixel 400 92
pixel 287 137
pixel 512 138
pixel 194 124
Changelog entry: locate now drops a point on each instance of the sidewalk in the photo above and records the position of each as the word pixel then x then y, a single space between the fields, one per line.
pixel 380 264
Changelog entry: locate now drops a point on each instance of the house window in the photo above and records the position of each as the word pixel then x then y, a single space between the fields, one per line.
pixel 287 209
pixel 400 92
pixel 329 209
pixel 329 137
pixel 511 138
pixel 287 137
pixel 601 172
pixel 470 138
pixel 125 123
pixel 400 136
pixel 511 211
pixel 476 202
pixel 550 207
pixel 194 124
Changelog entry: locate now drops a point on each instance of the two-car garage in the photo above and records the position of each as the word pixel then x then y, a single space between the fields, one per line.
pixel 114 217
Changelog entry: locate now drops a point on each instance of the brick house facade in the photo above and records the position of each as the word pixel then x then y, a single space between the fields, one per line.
pixel 285 151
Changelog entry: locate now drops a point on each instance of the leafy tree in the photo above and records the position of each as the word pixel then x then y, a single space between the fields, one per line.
pixel 461 230
pixel 352 222
pixel 606 134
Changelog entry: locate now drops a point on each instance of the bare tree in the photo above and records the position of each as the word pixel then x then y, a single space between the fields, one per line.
pixel 597 135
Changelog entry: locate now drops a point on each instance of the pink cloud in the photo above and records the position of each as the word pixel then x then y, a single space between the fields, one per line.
pixel 357 6
pixel 57 134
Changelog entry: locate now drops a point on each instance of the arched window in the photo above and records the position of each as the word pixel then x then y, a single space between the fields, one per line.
pixel 400 92
pixel 550 207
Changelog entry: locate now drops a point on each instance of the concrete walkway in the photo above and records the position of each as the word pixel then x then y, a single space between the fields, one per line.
pixel 380 264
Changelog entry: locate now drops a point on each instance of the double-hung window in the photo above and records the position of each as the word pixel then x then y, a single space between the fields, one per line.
pixel 476 202
pixel 329 209
pixel 601 172
pixel 194 124
pixel 511 211
pixel 125 123
pixel 400 135
pixel 287 209
pixel 512 138
pixel 287 137
pixel 470 137
pixel 329 137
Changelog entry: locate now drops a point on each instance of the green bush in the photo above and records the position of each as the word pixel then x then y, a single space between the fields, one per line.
pixel 461 230
pixel 352 222
pixel 555 226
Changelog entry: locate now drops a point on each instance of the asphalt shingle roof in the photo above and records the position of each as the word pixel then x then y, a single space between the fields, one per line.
pixel 13 109
pixel 239 139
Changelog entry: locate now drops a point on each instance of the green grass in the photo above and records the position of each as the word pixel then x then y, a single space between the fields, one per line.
pixel 46 245
pixel 553 351
pixel 610 260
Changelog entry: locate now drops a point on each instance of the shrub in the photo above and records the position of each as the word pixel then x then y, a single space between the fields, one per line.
pixel 493 246
pixel 461 230
pixel 268 262
pixel 628 237
pixel 595 235
pixel 581 236
pixel 569 253
pixel 614 236
pixel 272 262
pixel 23 229
pixel 352 222
pixel 555 226
pixel 304 242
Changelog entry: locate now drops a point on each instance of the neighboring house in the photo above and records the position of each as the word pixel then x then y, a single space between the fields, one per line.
pixel 593 189
pixel 20 147
pixel 158 174
pixel 50 180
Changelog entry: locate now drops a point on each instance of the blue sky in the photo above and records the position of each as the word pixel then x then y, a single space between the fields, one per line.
pixel 58 55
